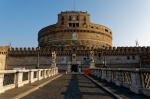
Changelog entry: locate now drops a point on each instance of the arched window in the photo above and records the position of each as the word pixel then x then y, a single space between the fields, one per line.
pixel 84 19
pixel 62 20
pixel 70 18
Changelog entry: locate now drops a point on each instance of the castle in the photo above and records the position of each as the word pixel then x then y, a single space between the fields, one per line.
pixel 73 38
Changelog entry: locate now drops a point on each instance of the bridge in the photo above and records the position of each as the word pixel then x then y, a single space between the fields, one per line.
pixel 99 83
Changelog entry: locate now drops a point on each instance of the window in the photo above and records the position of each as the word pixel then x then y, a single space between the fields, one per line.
pixel 84 20
pixel 133 57
pixel 74 57
pixel 106 30
pixel 128 57
pixel 74 49
pixel 74 25
pixel 70 24
pixel 77 24
pixel 99 55
pixel 62 20
pixel 77 18
pixel 70 18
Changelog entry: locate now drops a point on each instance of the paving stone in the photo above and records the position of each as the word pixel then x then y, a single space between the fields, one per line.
pixel 71 86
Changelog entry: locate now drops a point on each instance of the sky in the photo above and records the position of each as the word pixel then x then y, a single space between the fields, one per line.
pixel 20 20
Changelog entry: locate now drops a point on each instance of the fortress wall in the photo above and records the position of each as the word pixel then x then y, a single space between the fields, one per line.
pixel 115 56
pixel 2 61
pixel 122 59
pixel 26 62
pixel 3 56
pixel 119 61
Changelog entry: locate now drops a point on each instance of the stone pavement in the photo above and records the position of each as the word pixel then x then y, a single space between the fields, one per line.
pixel 19 92
pixel 71 86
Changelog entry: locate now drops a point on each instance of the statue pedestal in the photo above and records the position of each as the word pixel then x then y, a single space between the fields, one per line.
pixel 53 60
pixel 69 67
pixel 92 65
pixel 53 65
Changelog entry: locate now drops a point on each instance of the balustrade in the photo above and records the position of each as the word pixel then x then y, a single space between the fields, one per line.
pixel 16 78
pixel 136 79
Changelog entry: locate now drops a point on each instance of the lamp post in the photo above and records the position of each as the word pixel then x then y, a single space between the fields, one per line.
pixel 140 61
pixel 38 58
pixel 104 59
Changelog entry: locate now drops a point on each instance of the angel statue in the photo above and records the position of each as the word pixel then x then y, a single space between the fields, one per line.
pixel 92 56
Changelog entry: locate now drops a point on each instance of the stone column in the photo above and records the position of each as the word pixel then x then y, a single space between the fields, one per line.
pixel 47 73
pixel 109 76
pixel 1 82
pixel 98 73
pixel 57 70
pixel 31 78
pixel 19 77
pixel 104 74
pixel 69 67
pixel 119 78
pixel 50 72
pixel 79 66
pixel 136 83
pixel 94 72
pixel 44 74
pixel 54 71
pixel 39 75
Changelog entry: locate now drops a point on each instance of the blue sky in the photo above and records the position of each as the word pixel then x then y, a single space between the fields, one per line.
pixel 20 20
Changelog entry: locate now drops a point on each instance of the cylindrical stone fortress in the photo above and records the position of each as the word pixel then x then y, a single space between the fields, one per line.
pixel 75 29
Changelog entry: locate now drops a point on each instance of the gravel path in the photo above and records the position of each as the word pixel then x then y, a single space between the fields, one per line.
pixel 73 86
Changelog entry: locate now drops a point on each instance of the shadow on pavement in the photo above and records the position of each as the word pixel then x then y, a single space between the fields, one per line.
pixel 79 87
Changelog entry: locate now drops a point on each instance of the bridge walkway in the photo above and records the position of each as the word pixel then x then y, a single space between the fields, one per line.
pixel 71 86
pixel 121 91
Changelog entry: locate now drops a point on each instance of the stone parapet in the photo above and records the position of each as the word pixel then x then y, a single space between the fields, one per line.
pixel 17 78
pixel 136 79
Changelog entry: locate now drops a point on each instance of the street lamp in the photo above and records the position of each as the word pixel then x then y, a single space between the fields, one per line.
pixel 104 59
pixel 140 61
pixel 38 57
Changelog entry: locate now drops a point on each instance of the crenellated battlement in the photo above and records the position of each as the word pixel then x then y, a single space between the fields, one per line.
pixel 78 50
pixel 30 51
pixel 23 49
pixel 126 50
pixel 4 50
